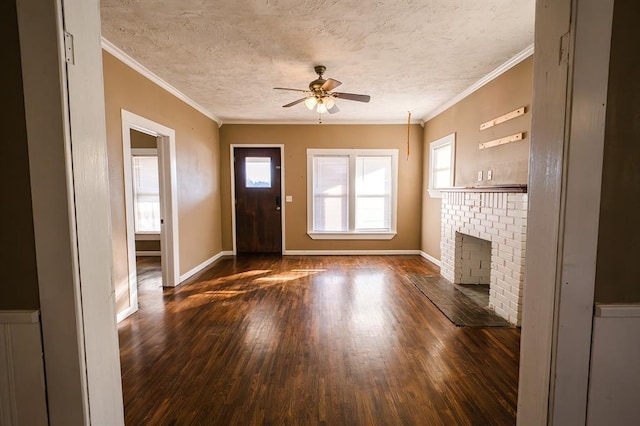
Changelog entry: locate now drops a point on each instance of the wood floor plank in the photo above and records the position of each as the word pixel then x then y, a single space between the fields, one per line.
pixel 270 340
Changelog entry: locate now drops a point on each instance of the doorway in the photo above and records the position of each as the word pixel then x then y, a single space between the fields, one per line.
pixel 166 209
pixel 257 198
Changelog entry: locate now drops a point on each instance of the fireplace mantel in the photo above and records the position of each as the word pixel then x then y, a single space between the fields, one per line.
pixel 517 188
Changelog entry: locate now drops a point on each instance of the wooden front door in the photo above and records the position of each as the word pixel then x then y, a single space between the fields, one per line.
pixel 258 200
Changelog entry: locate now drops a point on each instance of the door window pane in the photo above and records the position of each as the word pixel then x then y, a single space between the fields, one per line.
pixel 258 172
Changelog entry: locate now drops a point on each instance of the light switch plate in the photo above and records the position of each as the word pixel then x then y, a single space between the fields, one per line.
pixel 480 176
pixel 288 198
pixel 489 174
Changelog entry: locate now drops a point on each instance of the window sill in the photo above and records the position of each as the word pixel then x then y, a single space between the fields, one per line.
pixel 435 193
pixel 352 235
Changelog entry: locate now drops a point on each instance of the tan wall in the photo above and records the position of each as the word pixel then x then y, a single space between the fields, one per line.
pixel 509 162
pixel 198 159
pixel 19 283
pixel 296 140
pixel 619 235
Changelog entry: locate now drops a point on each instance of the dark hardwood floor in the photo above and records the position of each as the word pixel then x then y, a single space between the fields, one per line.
pixel 271 340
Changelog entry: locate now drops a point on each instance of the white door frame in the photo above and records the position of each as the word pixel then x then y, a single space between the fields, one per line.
pixel 168 202
pixel 232 148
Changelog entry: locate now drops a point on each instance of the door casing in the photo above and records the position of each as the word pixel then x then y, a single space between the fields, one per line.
pixel 168 203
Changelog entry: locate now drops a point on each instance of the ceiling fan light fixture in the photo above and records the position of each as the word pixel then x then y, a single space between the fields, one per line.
pixel 329 102
pixel 322 108
pixel 310 102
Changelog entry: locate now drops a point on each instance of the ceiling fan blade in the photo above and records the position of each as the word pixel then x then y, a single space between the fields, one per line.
pixel 294 103
pixel 330 84
pixel 333 110
pixel 352 96
pixel 292 90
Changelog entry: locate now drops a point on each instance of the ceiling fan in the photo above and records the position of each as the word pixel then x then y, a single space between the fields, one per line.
pixel 320 96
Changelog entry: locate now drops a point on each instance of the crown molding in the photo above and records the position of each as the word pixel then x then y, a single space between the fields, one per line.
pixel 312 122
pixel 519 57
pixel 111 48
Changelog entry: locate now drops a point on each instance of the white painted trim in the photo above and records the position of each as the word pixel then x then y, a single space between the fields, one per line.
pixel 109 47
pixel 430 258
pixel 148 253
pixel 315 122
pixel 233 190
pixel 355 235
pixel 19 317
pixel 144 152
pixel 519 57
pixel 615 310
pixel 201 266
pixel 350 252
pixel 352 233
pixel 436 144
pixel 580 215
pixel 168 200
pixel 126 313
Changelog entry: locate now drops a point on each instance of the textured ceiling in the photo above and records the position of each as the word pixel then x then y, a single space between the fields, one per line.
pixel 408 55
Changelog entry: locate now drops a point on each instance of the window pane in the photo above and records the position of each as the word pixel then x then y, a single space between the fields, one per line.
pixel 373 175
pixel 331 175
pixel 373 213
pixel 373 193
pixel 442 157
pixel 258 172
pixel 330 214
pixel 330 192
pixel 146 194
pixel 442 179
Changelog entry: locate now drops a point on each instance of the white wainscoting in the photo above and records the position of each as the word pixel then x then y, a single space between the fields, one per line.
pixel 614 380
pixel 22 386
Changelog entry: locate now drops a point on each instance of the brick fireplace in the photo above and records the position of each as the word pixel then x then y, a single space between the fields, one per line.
pixel 483 241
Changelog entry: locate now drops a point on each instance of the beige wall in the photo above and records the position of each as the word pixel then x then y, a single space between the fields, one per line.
pixel 198 159
pixel 296 140
pixel 509 162
pixel 19 283
pixel 619 235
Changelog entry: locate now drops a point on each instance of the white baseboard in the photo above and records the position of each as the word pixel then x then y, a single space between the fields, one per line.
pixel 430 258
pixel 348 252
pixel 127 312
pixel 201 266
pixel 228 253
pixel 147 253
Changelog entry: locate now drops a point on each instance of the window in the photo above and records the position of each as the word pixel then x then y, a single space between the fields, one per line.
pixel 258 172
pixel 352 193
pixel 441 164
pixel 146 194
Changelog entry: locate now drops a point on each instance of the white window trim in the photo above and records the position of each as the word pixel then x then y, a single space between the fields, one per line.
pixel 353 235
pixel 446 140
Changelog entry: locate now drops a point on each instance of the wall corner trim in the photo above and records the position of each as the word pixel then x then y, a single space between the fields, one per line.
pixel 515 60
pixel 111 48
pixel 200 267
pixel 430 258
